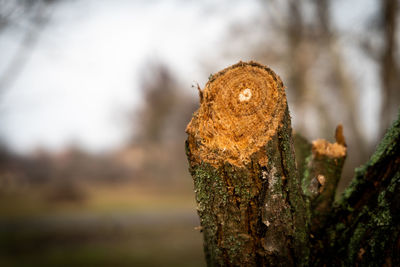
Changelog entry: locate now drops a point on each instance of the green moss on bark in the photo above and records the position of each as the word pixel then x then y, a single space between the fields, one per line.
pixel 253 215
pixel 364 228
pixel 302 149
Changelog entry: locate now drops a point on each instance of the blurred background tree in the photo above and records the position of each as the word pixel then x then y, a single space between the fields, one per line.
pixel 28 17
pixel 159 125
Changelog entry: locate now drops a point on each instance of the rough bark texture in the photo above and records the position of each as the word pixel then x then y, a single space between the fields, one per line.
pixel 302 149
pixel 364 229
pixel 257 208
pixel 322 170
pixel 251 208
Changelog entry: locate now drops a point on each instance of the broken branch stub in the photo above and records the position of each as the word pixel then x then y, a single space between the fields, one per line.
pixel 241 157
pixel 323 169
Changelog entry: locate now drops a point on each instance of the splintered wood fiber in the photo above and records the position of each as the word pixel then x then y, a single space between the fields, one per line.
pixel 241 109
pixel 324 148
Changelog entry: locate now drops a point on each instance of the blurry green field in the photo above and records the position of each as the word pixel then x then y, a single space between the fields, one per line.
pixel 113 226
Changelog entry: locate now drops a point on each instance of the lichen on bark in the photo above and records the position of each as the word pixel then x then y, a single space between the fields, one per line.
pixel 241 157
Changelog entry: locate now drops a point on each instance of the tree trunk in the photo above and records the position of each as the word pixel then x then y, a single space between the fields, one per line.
pixel 242 160
pixel 252 209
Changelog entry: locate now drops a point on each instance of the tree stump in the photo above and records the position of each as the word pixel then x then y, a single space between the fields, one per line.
pixel 241 157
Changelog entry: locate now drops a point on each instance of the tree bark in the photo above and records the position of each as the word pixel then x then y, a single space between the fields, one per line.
pixel 259 207
pixel 364 228
pixel 241 157
pixel 321 173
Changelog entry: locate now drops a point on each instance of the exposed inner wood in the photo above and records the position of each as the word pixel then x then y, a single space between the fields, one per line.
pixel 241 109
pixel 323 147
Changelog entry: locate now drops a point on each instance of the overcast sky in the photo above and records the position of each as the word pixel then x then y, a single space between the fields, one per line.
pixel 83 74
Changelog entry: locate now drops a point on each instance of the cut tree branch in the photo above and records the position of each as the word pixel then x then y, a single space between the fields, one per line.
pixel 321 174
pixel 258 207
